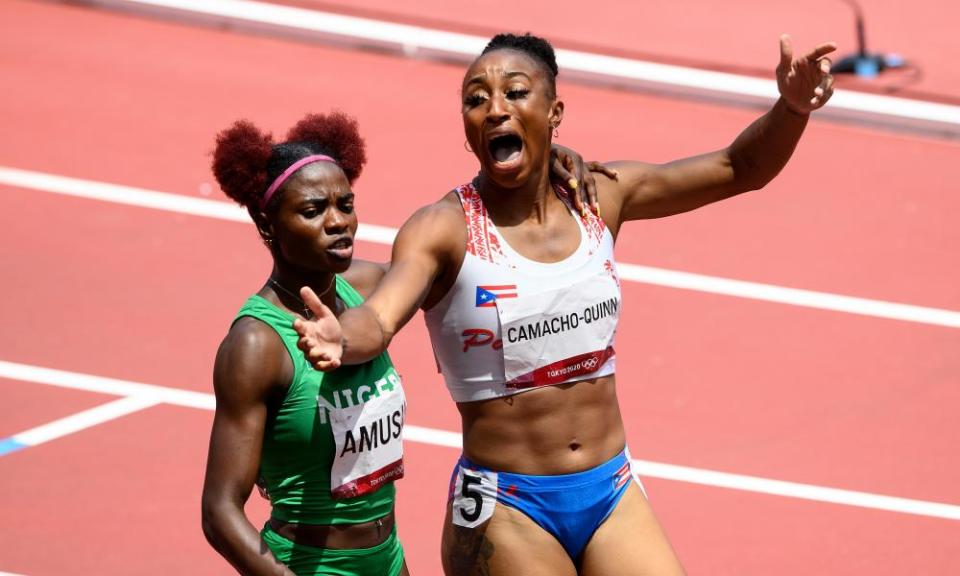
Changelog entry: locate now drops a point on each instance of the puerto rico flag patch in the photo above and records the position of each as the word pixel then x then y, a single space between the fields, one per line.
pixel 487 295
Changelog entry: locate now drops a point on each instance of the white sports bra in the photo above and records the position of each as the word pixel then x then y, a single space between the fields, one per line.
pixel 510 324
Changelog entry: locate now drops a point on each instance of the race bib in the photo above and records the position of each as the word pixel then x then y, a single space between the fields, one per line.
pixel 474 494
pixel 369 440
pixel 553 336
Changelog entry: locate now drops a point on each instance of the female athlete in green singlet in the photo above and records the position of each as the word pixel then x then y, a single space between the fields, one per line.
pixel 326 448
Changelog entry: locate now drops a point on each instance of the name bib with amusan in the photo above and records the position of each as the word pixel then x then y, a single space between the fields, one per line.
pixel 369 439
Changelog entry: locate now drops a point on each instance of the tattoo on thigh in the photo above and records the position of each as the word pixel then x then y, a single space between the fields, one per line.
pixel 471 551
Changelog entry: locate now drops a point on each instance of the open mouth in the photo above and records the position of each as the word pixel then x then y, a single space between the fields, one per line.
pixel 341 248
pixel 505 148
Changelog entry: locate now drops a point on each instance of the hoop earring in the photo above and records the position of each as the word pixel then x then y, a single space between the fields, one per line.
pixel 556 132
pixel 466 146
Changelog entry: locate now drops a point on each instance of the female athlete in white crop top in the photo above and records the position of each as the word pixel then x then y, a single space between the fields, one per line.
pixel 522 300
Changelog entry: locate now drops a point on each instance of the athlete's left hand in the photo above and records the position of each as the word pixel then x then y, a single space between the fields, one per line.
pixel 805 83
pixel 321 338
pixel 569 169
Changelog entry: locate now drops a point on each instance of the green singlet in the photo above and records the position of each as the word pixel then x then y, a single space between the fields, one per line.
pixel 299 448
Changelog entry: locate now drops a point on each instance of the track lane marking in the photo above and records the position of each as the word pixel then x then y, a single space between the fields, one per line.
pixel 77 422
pixel 385 235
pixel 150 393
pixel 417 41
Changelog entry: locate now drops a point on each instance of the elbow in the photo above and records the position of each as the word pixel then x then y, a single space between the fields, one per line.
pixel 751 173
pixel 211 521
pixel 748 177
pixel 753 184
pixel 386 337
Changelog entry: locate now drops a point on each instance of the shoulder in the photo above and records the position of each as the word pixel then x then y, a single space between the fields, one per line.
pixel 633 179
pixel 252 363
pixel 437 227
pixel 364 275
pixel 446 212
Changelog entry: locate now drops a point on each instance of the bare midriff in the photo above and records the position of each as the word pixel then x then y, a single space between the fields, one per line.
pixel 550 430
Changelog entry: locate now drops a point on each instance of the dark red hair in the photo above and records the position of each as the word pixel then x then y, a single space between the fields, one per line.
pixel 246 160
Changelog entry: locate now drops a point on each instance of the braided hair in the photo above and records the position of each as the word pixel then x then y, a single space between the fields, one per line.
pixel 533 46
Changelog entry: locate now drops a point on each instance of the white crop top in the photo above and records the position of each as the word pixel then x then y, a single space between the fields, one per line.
pixel 510 324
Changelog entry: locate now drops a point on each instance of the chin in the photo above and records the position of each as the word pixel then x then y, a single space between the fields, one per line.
pixel 339 266
pixel 515 178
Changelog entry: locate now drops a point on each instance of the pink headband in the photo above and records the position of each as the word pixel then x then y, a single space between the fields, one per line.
pixel 289 172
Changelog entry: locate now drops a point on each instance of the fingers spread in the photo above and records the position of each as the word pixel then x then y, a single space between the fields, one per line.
pixel 828 84
pixel 598 167
pixel 590 191
pixel 823 91
pixel 821 51
pixel 313 302
pixel 561 172
pixel 326 365
pixel 786 51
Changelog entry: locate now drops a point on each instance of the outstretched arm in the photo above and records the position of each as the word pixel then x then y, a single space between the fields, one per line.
pixel 754 158
pixel 421 253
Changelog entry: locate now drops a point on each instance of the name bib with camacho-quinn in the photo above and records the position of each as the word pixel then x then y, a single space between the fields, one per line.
pixel 551 337
pixel 369 440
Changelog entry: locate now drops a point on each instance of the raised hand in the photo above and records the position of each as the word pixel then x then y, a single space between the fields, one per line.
pixel 576 174
pixel 805 83
pixel 321 338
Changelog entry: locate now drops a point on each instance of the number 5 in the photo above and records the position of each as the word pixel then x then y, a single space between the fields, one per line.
pixel 468 481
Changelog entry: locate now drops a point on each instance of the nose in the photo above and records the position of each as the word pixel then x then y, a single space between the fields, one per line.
pixel 336 221
pixel 497 110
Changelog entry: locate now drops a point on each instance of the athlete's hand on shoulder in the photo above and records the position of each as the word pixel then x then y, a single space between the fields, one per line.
pixel 805 83
pixel 321 338
pixel 576 175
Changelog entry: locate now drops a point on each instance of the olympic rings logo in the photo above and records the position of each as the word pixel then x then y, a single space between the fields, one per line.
pixel 591 363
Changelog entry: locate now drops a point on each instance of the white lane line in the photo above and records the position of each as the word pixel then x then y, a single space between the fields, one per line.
pixel 142 198
pixel 608 70
pixel 796 490
pixel 792 296
pixel 82 420
pixel 448 439
pixel 385 235
pixel 102 385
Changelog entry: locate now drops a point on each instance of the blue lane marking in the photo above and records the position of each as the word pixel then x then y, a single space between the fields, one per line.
pixel 8 445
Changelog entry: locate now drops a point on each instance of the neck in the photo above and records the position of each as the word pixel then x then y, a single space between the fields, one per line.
pixel 529 201
pixel 292 279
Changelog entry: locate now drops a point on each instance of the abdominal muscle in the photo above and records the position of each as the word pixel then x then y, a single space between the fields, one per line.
pixel 546 431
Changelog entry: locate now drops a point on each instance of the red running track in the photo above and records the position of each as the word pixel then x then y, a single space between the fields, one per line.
pixel 709 381
pixel 739 35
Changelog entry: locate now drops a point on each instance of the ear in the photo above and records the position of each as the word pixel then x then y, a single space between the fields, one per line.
pixel 264 227
pixel 556 113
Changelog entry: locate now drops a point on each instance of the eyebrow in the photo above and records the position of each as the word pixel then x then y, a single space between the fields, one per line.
pixel 313 200
pixel 512 74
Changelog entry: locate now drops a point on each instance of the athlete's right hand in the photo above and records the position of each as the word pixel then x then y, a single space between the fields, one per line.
pixel 321 338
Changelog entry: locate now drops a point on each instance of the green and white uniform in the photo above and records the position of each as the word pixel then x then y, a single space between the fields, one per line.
pixel 332 451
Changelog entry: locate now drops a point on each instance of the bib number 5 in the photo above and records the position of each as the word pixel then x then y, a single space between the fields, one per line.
pixel 475 496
